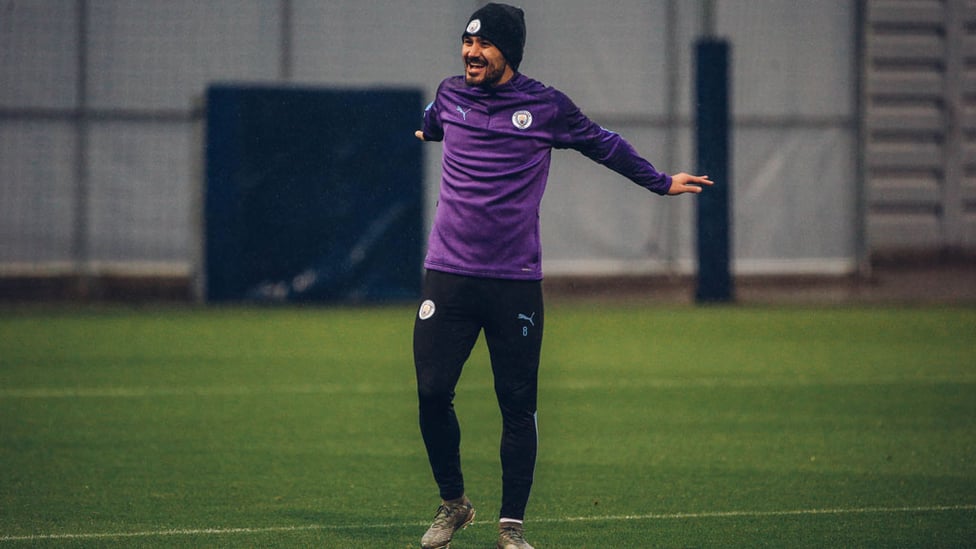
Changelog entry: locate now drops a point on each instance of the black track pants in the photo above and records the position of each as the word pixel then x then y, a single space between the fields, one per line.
pixel 454 310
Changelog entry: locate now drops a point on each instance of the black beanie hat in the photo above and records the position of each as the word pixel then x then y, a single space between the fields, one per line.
pixel 504 25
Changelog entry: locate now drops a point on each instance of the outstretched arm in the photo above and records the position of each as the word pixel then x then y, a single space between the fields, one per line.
pixel 686 183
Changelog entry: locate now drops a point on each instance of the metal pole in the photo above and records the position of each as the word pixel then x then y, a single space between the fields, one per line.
pixel 861 67
pixel 79 241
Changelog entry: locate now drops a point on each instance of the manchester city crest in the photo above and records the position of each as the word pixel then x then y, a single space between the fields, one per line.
pixel 427 309
pixel 522 119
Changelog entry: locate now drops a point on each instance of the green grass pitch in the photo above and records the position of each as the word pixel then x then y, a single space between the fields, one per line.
pixel 659 427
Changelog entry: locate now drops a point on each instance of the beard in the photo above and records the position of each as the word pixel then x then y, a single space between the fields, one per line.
pixel 487 76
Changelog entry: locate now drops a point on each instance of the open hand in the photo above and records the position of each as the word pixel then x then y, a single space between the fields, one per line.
pixel 687 183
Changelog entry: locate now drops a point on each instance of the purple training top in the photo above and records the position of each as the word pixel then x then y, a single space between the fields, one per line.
pixel 496 153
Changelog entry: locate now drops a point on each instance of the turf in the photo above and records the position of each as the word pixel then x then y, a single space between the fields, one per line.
pixel 659 427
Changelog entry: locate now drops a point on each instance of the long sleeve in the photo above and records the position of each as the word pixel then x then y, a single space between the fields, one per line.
pixel 609 149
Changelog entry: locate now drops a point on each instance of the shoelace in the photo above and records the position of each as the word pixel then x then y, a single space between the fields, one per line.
pixel 445 514
pixel 513 534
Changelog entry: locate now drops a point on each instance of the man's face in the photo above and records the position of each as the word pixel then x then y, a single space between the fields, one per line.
pixel 484 64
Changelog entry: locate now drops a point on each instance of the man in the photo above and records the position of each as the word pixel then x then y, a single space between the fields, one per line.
pixel 484 264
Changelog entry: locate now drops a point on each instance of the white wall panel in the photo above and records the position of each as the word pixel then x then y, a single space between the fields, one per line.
pixel 793 196
pixel 37 192
pixel 143 187
pixel 610 57
pixel 399 43
pixel 791 58
pixel 38 54
pixel 162 55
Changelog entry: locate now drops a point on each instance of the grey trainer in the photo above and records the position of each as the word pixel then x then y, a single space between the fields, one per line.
pixel 511 536
pixel 450 518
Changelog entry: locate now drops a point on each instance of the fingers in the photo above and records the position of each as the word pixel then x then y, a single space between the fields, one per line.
pixel 419 134
pixel 687 183
pixel 698 179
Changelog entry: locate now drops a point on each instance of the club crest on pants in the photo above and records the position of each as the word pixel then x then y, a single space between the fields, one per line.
pixel 427 309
